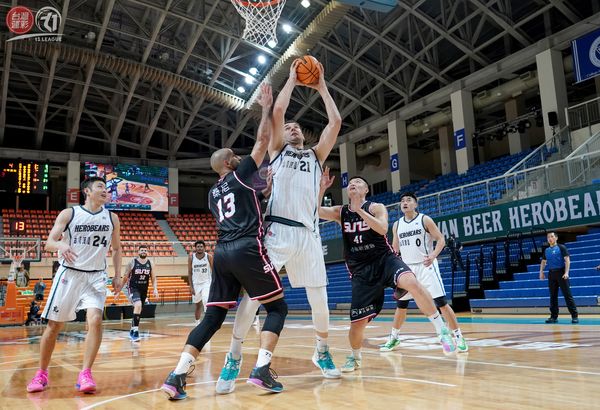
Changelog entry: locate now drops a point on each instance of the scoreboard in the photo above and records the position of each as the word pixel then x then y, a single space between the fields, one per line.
pixel 24 177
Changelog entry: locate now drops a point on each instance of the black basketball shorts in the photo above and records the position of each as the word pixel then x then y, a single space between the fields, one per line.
pixel 369 281
pixel 138 294
pixel 242 263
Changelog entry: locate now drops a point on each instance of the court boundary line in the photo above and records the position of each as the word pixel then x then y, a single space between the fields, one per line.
pixel 101 403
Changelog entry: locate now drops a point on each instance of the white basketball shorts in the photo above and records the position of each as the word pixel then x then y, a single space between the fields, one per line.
pixel 201 291
pixel 429 277
pixel 300 251
pixel 73 291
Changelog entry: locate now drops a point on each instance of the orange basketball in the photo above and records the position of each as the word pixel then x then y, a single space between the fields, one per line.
pixel 307 71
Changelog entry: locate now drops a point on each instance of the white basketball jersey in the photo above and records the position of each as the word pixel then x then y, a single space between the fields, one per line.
pixel 89 235
pixel 415 242
pixel 200 269
pixel 295 192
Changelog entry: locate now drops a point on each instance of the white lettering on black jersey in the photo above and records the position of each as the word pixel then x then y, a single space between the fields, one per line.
pixel 234 204
pixel 361 243
pixel 140 274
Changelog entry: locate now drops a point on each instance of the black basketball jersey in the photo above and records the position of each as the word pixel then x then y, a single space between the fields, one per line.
pixel 235 205
pixel 361 243
pixel 140 274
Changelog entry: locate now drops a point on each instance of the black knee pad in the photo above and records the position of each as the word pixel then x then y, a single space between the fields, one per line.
pixel 402 304
pixel 277 310
pixel 440 302
pixel 211 322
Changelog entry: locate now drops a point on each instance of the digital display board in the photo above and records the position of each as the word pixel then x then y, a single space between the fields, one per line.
pixel 18 226
pixel 24 177
pixel 133 187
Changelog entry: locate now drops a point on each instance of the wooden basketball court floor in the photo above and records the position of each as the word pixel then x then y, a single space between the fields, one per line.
pixel 514 362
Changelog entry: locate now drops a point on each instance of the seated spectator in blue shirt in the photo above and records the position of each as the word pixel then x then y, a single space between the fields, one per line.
pixel 39 288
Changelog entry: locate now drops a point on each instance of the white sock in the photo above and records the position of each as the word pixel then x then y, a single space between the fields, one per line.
pixel 264 357
pixel 395 333
pixel 236 348
pixel 185 361
pixel 321 344
pixel 457 333
pixel 437 321
pixel 356 353
pixel 134 328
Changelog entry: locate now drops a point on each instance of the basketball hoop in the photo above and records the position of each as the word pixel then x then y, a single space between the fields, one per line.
pixel 261 19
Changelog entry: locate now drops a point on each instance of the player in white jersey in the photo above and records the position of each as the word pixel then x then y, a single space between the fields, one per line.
pixel 87 233
pixel 413 237
pixel 199 277
pixel 292 237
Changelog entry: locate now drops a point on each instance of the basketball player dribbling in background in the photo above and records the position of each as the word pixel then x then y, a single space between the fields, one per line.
pixel 293 238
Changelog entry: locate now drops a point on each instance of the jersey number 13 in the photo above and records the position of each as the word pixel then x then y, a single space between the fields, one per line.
pixel 226 206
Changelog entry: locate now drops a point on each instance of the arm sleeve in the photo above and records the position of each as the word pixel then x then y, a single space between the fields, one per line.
pixel 563 250
pixel 246 170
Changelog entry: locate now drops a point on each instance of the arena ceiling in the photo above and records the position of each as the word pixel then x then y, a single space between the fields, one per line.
pixel 158 79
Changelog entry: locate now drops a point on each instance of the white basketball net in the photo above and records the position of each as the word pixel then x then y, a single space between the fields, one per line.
pixel 261 19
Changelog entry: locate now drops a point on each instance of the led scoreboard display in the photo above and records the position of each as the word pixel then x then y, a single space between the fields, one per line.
pixel 24 177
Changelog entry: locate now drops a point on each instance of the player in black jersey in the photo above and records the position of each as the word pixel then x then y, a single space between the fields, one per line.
pixel 240 260
pixel 372 263
pixel 138 274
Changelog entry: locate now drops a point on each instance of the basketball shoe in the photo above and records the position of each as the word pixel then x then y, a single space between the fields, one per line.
pixel 447 342
pixel 39 382
pixel 324 362
pixel 264 378
pixel 174 386
pixel 135 336
pixel 391 345
pixel 461 345
pixel 230 372
pixel 85 382
pixel 352 364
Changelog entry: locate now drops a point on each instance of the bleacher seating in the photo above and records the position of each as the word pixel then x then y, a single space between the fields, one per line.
pixel 527 290
pixel 140 228
pixel 136 228
pixel 449 202
pixel 170 290
pixel 192 227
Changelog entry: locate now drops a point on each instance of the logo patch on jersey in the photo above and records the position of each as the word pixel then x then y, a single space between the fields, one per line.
pixel 358 226
pixel 55 309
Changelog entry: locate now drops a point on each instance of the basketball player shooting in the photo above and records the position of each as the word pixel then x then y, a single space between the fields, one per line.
pixel 240 260
pixel 373 265
pixel 82 235
pixel 292 235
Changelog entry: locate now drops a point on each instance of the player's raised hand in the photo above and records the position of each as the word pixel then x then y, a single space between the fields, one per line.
pixel 66 252
pixel 265 99
pixel 293 74
pixel 320 85
pixel 326 180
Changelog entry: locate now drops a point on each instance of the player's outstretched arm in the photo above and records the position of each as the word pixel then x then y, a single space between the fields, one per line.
pixel 53 243
pixel 264 128
pixel 117 252
pixel 330 213
pixel 154 282
pixel 279 109
pixel 330 133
